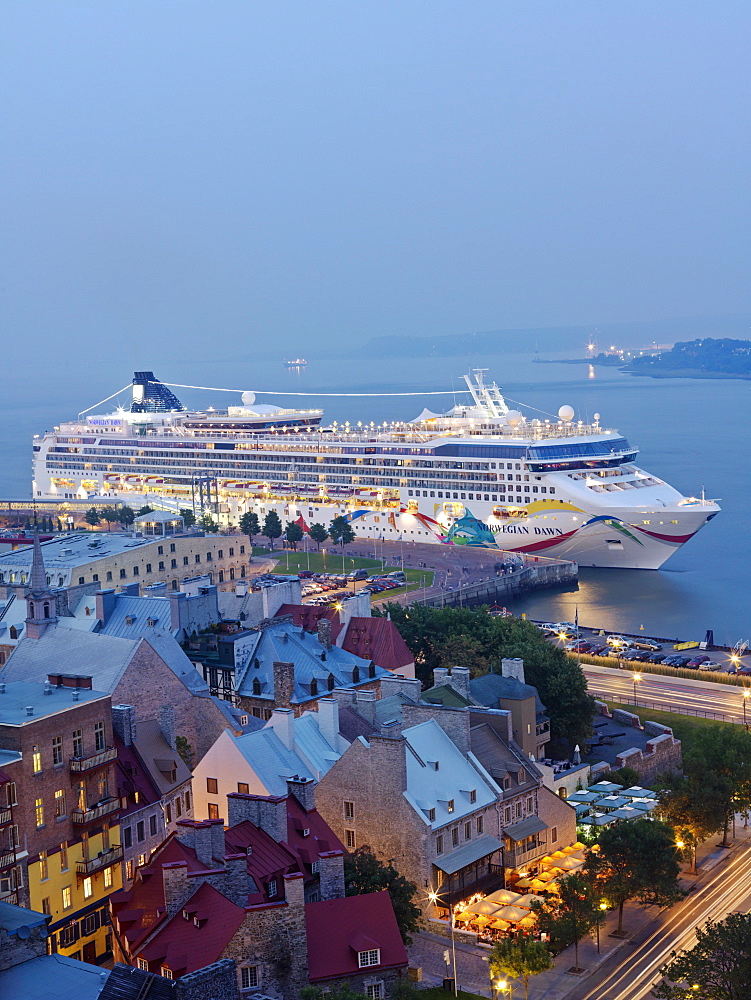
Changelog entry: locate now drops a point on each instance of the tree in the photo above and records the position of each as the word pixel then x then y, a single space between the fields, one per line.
pixel 319 534
pixel 126 516
pixel 110 515
pixel 92 517
pixel 294 535
pixel 341 531
pixel 463 651
pixel 208 523
pixel 249 525
pixel 717 967
pixel 695 806
pixel 185 750
pixel 143 511
pixel 189 518
pixel 719 758
pixel 519 958
pixel 559 680
pixel 364 873
pixel 636 860
pixel 272 527
pixel 569 915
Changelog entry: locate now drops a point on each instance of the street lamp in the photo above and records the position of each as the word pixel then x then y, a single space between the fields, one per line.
pixel 603 907
pixel 746 696
pixel 503 987
pixel 637 678
pixel 433 897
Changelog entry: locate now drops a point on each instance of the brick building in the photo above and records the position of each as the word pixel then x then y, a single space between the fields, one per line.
pixel 66 820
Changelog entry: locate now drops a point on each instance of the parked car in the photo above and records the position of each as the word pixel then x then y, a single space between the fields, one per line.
pixel 711 665
pixel 358 574
pixel 647 644
pixel 305 574
pixel 696 661
pixel 618 641
pixel 656 658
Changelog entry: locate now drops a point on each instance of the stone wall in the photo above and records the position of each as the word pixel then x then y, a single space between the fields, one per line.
pixel 661 754
pixel 15 949
pixel 455 722
pixel 214 982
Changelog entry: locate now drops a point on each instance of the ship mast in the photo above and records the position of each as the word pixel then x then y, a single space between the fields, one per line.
pixel 486 397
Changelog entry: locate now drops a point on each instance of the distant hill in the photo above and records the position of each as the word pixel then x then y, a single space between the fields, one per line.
pixel 544 339
pixel 709 356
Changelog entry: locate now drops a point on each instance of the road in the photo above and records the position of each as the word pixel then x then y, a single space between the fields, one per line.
pixel 658 691
pixel 635 969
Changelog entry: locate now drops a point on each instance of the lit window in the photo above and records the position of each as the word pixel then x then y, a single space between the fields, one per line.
pixel 450 805
pixel 166 973
pixel 39 812
pixel 213 810
pixel 107 878
pixel 43 872
pixel 64 856
pixel 249 977
pixel 67 897
pixel 36 758
pixel 129 876
pixel 141 860
pixel 243 788
pixel 59 803
pixel 366 959
pixel 349 838
pixel 88 888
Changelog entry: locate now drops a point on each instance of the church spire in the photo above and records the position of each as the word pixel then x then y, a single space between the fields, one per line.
pixel 38 572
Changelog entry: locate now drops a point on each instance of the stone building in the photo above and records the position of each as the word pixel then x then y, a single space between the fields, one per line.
pixel 154 783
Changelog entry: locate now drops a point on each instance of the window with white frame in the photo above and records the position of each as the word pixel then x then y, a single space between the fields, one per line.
pixel 349 810
pixel 143 965
pixel 272 887
pixel 166 973
pixel 374 990
pixel 366 959
pixel 350 839
pixel 249 978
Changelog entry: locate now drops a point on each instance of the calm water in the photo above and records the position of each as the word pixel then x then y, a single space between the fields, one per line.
pixel 689 432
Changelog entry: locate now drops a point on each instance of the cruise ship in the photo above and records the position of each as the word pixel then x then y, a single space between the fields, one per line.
pixel 481 474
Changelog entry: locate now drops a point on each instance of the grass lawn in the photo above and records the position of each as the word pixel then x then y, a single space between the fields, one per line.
pixel 320 562
pixel 684 726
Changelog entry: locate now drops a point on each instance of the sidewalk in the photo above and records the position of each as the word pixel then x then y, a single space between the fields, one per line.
pixel 473 976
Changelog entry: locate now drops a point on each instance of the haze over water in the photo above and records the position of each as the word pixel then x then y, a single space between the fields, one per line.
pixel 690 433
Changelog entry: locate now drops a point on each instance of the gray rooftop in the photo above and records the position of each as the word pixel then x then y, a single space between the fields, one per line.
pixel 488 689
pixel 53 977
pixel 16 697
pixel 74 549
pixel 13 917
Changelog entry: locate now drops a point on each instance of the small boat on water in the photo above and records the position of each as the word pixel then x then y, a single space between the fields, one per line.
pixel 297 363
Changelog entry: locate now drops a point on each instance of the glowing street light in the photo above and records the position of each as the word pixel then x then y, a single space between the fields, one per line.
pixel 637 678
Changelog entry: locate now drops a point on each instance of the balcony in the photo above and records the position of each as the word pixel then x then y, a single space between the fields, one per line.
pixel 524 854
pixel 7 858
pixel 103 860
pixel 5 816
pixel 82 817
pixel 79 765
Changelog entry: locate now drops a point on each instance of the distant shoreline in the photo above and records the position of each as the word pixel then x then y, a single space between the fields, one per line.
pixel 697 373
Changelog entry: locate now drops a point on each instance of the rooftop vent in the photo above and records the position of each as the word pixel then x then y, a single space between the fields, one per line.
pixel 29 709
pixel 47 687
pixel 75 694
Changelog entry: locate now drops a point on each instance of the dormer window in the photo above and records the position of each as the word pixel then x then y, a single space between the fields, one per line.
pixel 434 764
pixel 129 619
pixel 450 805
pixel 186 915
pixel 313 686
pixel 151 622
pixel 355 675
pixel 272 887
pixel 368 959
pixel 431 814
pixel 196 922
pixel 473 795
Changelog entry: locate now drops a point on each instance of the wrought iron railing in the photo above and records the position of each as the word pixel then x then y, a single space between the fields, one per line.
pixel 79 764
pixel 103 860
pixel 83 816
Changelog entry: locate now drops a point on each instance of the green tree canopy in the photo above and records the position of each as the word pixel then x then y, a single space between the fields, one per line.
pixel 208 523
pixel 718 766
pixel 432 633
pixel 719 964
pixel 570 914
pixel 92 517
pixel 110 515
pixel 364 873
pixel 189 518
pixel 272 527
pixel 636 860
pixel 341 531
pixel 294 534
pixel 249 525
pixel 146 509
pixel 126 516
pixel 319 534
pixel 519 958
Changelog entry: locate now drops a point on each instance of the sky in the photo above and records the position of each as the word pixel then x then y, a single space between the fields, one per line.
pixel 229 174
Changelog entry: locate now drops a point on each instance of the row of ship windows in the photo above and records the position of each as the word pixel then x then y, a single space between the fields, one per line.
pixel 478 496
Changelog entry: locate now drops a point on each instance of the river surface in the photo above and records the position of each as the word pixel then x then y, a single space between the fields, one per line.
pixel 692 433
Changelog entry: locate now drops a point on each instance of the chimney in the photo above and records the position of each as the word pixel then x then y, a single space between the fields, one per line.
pixel 440 676
pixel 268 812
pixel 396 684
pixel 331 868
pixel 158 589
pixel 282 721
pixel 177 887
pixel 284 683
pixel 124 722
pixel 167 725
pixel 241 588
pixel 132 589
pixel 513 668
pixel 345 696
pixel 238 883
pixel 328 721
pixel 365 704
pixel 177 608
pixel 304 791
pixel 460 681
pixel 199 835
pixel 324 633
pixel 105 604
pixel 216 831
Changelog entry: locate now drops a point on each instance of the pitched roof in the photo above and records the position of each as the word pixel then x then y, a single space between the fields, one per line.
pixel 489 688
pixel 158 757
pixel 445 695
pixel 182 946
pixel 52 977
pixel 498 758
pixel 320 838
pixel 379 640
pixel 337 929
pixel 352 724
pixel 139 610
pixel 288 643
pixel 307 616
pixel 267 858
pixel 63 650
pixel 439 776
pixel 125 982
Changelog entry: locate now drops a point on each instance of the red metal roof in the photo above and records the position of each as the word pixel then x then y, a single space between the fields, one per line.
pixel 379 640
pixel 182 946
pixel 338 928
pixel 307 616
pixel 320 839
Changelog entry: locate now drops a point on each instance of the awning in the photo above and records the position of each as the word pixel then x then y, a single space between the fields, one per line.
pixel 467 855
pixel 520 831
